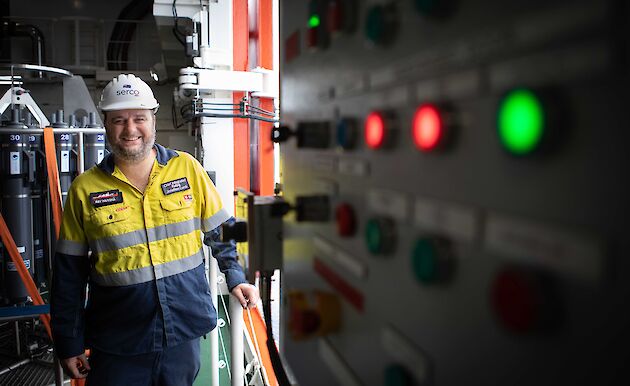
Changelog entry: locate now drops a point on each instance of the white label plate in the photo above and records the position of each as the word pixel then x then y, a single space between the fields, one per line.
pixel 65 161
pixel 576 254
pixel 453 220
pixel 355 167
pixel 337 364
pixel 323 163
pixel 324 246
pixel 343 259
pixel 16 160
pixel 330 187
pixel 404 351
pixel 388 203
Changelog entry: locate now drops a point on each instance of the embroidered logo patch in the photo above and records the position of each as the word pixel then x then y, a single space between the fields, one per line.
pixel 175 186
pixel 187 197
pixel 109 197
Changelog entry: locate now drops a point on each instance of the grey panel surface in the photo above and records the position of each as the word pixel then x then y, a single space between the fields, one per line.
pixel 77 99
pixel 469 60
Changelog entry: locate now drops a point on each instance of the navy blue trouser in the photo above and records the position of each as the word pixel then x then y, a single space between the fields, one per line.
pixel 173 366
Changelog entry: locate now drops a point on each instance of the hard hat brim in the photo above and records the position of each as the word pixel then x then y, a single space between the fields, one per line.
pixel 125 105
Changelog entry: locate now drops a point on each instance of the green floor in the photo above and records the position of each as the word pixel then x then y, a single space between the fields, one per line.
pixel 205 374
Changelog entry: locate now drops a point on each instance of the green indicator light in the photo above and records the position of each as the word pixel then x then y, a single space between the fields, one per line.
pixel 373 236
pixel 314 21
pixel 521 121
pixel 424 261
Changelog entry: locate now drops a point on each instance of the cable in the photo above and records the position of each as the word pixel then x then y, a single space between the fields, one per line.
pixel 176 32
pixel 224 351
pixel 274 356
pixel 247 116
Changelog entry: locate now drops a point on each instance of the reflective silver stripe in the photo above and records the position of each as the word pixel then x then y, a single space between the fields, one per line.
pixel 215 220
pixel 145 274
pixel 72 248
pixel 119 241
pixel 140 237
pixel 175 229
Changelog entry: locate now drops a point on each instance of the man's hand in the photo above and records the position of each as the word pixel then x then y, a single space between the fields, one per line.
pixel 247 294
pixel 76 367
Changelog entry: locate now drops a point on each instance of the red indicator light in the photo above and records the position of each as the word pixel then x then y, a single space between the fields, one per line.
pixel 346 222
pixel 311 38
pixel 516 300
pixel 334 16
pixel 428 129
pixel 375 130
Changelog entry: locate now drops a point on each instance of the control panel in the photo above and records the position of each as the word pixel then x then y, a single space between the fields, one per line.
pixel 473 155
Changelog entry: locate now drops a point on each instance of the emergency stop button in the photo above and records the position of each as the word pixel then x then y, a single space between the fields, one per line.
pixel 306 320
pixel 525 300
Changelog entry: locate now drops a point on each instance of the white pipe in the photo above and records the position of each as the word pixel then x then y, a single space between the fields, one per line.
pixel 214 334
pixel 80 154
pixel 236 333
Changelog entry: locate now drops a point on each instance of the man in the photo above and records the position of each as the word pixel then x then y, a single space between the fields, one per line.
pixel 139 212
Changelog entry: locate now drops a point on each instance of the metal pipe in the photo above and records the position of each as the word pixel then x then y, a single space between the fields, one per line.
pixel 59 381
pixel 18 344
pixel 80 154
pixel 34 67
pixel 14 366
pixel 55 130
pixel 237 363
pixel 36 36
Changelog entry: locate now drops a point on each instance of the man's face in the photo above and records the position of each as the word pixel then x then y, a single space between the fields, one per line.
pixel 130 133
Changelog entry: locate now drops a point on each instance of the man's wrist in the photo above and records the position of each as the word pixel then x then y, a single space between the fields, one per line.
pixel 69 347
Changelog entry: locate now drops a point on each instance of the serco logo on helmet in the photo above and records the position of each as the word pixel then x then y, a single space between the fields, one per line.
pixel 128 92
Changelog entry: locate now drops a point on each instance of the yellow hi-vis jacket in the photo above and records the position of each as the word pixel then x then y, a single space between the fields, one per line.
pixel 147 282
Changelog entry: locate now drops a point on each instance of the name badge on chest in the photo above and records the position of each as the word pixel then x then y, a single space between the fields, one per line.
pixel 175 186
pixel 108 197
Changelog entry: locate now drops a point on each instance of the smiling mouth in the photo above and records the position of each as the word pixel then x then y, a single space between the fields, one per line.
pixel 130 139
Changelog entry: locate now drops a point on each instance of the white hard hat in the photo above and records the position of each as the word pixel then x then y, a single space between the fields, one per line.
pixel 127 91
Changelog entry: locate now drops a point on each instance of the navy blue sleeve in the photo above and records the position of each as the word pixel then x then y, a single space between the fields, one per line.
pixel 226 255
pixel 69 280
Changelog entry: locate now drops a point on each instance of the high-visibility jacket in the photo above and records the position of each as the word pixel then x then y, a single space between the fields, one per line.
pixel 142 255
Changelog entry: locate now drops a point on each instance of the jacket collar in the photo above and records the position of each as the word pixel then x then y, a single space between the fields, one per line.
pixel 163 156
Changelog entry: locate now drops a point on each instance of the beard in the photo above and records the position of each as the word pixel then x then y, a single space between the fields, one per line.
pixel 135 154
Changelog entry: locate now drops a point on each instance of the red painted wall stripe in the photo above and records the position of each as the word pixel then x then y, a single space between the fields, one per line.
pixel 351 294
pixel 265 60
pixel 241 126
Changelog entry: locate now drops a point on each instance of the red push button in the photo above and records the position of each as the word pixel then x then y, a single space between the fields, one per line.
pixel 346 220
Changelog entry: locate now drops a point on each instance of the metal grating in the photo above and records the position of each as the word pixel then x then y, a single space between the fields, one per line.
pixel 31 374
